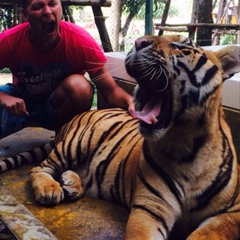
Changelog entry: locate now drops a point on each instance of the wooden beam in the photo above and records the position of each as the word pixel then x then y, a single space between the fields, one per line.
pixel 206 25
pixel 102 3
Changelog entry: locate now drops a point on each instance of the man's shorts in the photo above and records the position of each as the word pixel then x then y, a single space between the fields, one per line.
pixel 40 114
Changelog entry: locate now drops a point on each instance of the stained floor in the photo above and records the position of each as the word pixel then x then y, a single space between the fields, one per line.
pixel 87 218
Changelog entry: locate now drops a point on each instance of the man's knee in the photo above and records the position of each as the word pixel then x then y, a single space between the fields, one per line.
pixel 77 84
pixel 76 89
pixel 73 96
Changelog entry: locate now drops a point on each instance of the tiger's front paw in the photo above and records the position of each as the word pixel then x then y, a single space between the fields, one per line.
pixel 47 190
pixel 72 185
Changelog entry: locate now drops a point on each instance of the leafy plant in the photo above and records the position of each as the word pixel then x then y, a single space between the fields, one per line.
pixel 5 70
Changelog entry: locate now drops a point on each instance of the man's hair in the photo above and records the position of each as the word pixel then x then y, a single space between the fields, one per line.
pixel 25 4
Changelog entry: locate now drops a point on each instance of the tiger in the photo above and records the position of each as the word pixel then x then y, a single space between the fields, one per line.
pixel 170 161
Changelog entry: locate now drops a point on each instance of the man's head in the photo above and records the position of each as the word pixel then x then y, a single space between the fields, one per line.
pixel 44 17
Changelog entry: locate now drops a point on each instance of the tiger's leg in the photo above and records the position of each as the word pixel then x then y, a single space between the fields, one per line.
pixel 220 227
pixel 47 190
pixel 143 225
pixel 72 185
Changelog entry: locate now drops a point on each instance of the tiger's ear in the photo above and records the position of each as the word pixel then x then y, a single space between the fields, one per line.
pixel 230 60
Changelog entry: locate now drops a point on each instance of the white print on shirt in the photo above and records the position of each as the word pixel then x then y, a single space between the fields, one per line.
pixel 35 81
pixel 42 77
pixel 42 88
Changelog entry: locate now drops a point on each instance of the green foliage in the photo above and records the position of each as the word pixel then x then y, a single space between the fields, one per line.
pixel 132 6
pixel 5 70
pixel 94 103
pixel 6 18
pixel 228 39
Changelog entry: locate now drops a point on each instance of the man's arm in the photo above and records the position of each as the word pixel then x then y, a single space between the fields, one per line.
pixel 111 92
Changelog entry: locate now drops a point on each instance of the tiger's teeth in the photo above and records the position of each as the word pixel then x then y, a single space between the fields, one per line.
pixel 154 119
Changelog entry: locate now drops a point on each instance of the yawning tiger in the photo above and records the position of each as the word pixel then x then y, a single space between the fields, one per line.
pixel 173 165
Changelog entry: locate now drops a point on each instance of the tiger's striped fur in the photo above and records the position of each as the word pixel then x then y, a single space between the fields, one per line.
pixel 179 178
pixel 37 154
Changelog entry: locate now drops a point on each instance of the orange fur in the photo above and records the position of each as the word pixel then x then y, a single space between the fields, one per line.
pixel 179 178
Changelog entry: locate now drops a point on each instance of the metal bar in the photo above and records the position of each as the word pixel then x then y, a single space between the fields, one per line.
pixel 148 17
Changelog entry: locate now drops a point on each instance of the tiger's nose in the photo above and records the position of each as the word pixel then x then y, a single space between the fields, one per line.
pixel 141 43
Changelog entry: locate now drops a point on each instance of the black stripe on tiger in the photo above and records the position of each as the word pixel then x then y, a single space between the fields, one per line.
pixel 111 132
pixel 223 177
pixel 187 100
pixel 90 154
pixel 103 165
pixel 233 198
pixel 192 77
pixel 219 183
pixel 151 188
pixel 34 155
pixel 61 156
pixel 119 182
pixel 75 136
pixel 201 62
pixel 167 179
pixel 123 174
pixel 154 215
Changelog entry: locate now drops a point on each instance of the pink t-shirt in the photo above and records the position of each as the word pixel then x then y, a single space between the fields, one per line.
pixel 36 74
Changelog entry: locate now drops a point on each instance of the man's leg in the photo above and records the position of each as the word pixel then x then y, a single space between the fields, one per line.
pixel 73 96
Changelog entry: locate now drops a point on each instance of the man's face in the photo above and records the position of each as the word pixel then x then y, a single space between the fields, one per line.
pixel 44 17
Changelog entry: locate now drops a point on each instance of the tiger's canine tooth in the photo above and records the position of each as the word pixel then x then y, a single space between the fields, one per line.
pixel 154 119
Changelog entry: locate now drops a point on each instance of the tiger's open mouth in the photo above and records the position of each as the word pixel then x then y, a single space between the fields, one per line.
pixel 156 111
pixel 154 95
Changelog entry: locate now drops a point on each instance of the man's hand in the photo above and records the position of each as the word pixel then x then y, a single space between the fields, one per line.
pixel 14 105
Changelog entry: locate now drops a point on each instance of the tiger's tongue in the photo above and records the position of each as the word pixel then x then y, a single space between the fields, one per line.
pixel 150 110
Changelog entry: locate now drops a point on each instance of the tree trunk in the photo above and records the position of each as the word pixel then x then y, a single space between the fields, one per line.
pixel 192 30
pixel 204 35
pixel 238 34
pixel 165 15
pixel 131 15
pixel 115 23
pixel 100 23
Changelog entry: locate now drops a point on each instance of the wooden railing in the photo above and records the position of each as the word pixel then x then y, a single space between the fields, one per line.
pixel 192 27
pixel 103 3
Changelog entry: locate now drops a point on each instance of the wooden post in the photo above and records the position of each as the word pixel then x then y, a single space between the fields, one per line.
pixel 100 23
pixel 164 16
pixel 204 35
pixel 15 11
pixel 148 17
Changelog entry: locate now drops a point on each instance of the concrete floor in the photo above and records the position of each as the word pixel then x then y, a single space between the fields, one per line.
pixel 87 218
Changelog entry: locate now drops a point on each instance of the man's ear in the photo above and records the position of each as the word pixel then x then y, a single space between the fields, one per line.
pixel 24 15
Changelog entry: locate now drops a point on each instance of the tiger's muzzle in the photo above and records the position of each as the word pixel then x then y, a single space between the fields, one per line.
pixel 153 98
